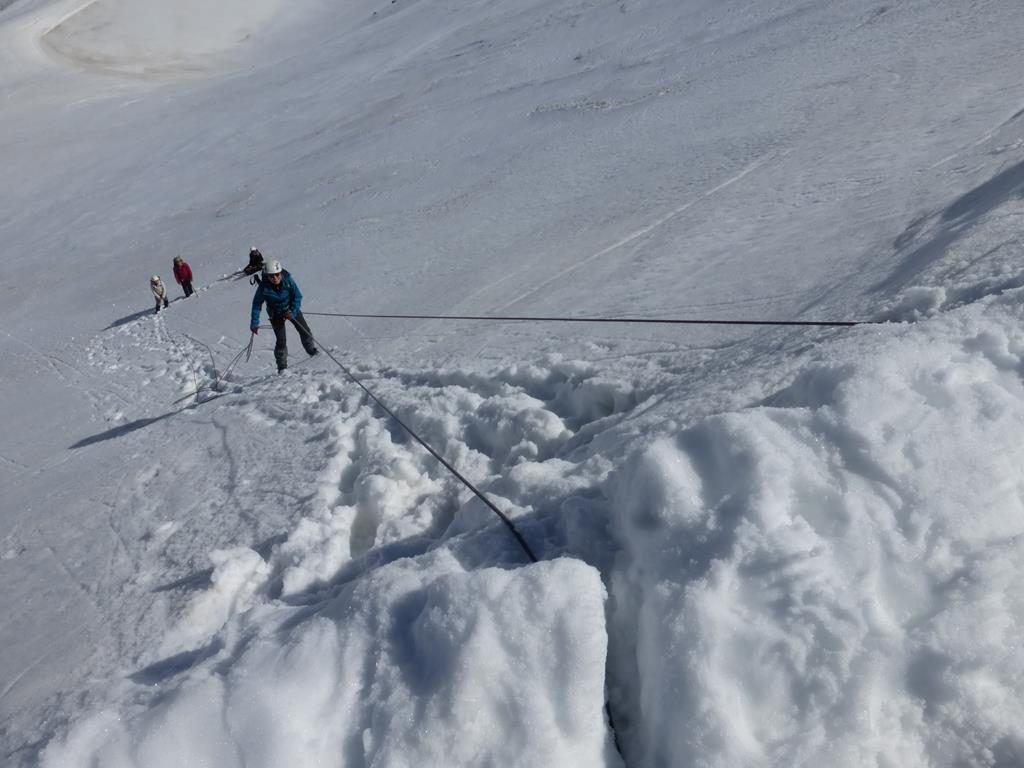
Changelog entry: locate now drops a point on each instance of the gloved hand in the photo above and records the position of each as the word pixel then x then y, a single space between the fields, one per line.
pixel 255 330
pixel 288 316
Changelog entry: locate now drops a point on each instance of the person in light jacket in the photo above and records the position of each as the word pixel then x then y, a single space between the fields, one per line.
pixel 156 285
pixel 183 275
pixel 284 303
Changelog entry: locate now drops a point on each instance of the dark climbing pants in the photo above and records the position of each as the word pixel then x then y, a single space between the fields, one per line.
pixel 281 347
pixel 186 286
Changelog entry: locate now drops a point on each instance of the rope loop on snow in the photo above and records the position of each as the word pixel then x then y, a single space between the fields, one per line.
pixel 218 377
pixel 445 463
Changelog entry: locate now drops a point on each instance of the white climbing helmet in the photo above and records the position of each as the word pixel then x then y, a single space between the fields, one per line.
pixel 155 279
pixel 272 268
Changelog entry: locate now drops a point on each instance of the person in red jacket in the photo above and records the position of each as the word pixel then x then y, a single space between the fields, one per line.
pixel 183 275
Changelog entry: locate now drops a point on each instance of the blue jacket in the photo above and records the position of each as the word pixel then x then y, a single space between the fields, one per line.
pixel 280 299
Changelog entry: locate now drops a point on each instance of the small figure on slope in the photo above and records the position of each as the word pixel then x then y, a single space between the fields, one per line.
pixel 255 265
pixel 183 274
pixel 156 285
pixel 284 302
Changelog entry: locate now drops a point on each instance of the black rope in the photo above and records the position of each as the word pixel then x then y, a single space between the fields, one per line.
pixel 649 320
pixel 303 328
pixel 422 442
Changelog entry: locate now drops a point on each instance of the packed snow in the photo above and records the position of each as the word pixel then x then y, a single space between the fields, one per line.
pixel 758 545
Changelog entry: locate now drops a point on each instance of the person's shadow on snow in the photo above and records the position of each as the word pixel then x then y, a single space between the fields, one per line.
pixel 119 431
pixel 129 318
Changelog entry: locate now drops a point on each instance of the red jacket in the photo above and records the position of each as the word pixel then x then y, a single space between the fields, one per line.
pixel 182 272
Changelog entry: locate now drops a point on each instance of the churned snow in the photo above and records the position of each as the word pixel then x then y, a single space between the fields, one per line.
pixel 830 576
pixel 759 546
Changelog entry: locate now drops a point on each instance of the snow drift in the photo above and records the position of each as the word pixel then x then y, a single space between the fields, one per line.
pixel 831 578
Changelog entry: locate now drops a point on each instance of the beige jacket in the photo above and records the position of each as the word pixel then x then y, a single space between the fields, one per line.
pixel 159 289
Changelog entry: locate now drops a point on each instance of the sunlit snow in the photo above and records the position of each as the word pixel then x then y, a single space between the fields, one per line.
pixel 759 545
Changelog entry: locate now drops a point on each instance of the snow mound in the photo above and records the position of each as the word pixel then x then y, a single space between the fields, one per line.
pixel 149 36
pixel 831 579
pixel 420 663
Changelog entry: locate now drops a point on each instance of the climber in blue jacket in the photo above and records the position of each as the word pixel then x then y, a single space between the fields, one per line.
pixel 284 302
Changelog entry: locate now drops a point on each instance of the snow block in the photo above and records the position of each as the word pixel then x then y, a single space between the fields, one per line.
pixel 418 664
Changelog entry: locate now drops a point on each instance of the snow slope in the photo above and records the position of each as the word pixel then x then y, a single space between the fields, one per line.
pixel 763 546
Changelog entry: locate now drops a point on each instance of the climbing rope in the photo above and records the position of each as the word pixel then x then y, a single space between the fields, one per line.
pixel 479 494
pixel 304 329
pixel 446 464
pixel 647 320
pixel 246 350
pixel 218 377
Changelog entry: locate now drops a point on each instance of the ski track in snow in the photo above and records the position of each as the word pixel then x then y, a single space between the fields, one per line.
pixel 636 235
pixel 17 678
pixel 983 139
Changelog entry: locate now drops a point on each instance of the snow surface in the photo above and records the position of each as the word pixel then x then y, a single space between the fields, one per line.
pixel 149 36
pixel 761 546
